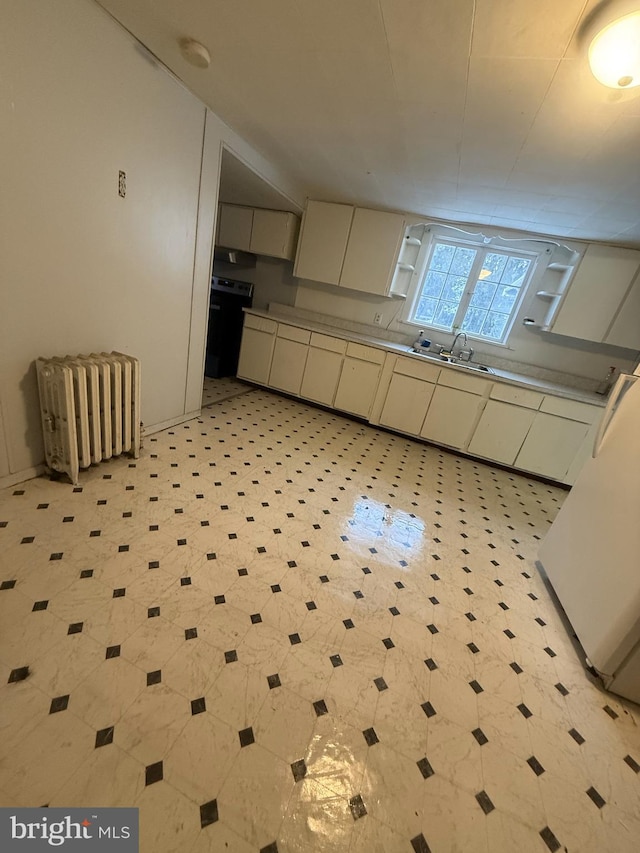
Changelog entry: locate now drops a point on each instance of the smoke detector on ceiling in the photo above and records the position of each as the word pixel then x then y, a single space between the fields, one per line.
pixel 195 53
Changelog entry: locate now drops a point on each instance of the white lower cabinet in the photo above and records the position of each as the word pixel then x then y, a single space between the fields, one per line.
pixel 258 339
pixel 409 395
pixel 455 407
pixel 505 423
pixel 322 370
pixel 359 379
pixel 289 358
pixel 551 445
pixel 501 431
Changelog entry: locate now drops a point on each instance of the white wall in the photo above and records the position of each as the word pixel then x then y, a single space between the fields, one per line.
pixel 82 269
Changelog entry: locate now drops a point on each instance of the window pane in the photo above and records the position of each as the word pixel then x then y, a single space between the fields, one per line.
pixel 493 266
pixel 473 320
pixel 483 294
pixel 433 284
pixel 425 310
pixel 463 261
pixel 515 271
pixel 454 288
pixel 442 257
pixel 505 299
pixel 494 325
pixel 445 314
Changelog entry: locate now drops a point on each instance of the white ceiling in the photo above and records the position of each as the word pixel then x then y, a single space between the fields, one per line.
pixel 468 110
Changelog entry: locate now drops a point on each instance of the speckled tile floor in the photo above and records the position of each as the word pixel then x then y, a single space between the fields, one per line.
pixel 284 630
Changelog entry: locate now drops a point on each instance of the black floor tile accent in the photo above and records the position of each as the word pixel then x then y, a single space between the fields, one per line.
pixel 428 708
pixel 190 633
pixel 154 677
pixel 477 688
pixel 336 660
pixel 208 813
pixel 299 770
pixel 75 628
pixel 480 736
pixel 198 706
pixel 597 798
pixel 371 737
pixel 419 844
pixel 246 737
pixel 60 703
pixel 516 668
pixel 357 806
pixel 431 664
pixel 104 737
pixel 632 763
pixel 575 734
pixel 380 683
pixel 154 773
pixel 549 839
pixel 425 768
pixel 535 765
pixel 270 848
pixel 112 652
pixel 561 689
pixel 230 657
pixel 484 801
pixel 320 707
pixel 526 713
pixel 274 681
pixel 388 643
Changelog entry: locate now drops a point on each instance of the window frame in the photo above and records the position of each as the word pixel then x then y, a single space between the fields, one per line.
pixel 483 245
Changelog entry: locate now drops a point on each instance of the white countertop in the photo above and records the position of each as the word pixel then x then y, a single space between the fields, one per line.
pixel 497 374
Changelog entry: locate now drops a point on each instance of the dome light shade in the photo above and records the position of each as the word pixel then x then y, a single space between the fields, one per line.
pixel 195 53
pixel 614 53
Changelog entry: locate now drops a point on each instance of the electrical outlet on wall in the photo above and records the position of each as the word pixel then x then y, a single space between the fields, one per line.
pixel 377 318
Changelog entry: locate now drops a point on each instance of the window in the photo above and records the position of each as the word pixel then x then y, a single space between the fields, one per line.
pixel 470 288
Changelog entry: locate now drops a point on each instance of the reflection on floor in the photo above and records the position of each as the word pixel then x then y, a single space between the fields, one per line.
pixel 283 630
pixel 216 390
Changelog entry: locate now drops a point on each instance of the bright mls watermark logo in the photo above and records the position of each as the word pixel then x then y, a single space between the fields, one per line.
pixel 79 830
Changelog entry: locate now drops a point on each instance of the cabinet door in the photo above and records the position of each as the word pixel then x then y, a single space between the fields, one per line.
pixel 234 228
pixel 501 430
pixel 451 417
pixel 321 375
pixel 406 403
pixel 372 250
pixel 596 292
pixel 273 233
pixel 357 386
pixel 551 445
pixel 323 241
pixel 255 355
pixel 625 329
pixel 287 365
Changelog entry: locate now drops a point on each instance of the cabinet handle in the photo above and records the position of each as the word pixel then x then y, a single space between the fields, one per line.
pixel 625 381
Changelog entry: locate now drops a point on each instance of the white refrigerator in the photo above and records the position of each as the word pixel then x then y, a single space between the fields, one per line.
pixel 591 553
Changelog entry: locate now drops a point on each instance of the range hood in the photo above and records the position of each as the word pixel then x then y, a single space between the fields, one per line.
pixel 234 256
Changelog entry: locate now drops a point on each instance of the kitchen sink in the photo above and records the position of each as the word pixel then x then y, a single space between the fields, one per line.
pixel 449 359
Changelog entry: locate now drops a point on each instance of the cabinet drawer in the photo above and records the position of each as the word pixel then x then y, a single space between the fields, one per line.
pixel 261 324
pixel 571 409
pixel 417 369
pixel 463 382
pixel 519 396
pixel 370 354
pixel 293 333
pixel 328 343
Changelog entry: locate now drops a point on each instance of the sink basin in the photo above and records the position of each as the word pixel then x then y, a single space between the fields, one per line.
pixel 448 359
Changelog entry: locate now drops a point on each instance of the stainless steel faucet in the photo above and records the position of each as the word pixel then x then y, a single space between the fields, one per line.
pixel 455 340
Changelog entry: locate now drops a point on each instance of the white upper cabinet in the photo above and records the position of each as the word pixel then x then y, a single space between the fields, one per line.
pixel 355 248
pixel 372 250
pixel 595 295
pixel 264 232
pixel 323 241
pixel 234 226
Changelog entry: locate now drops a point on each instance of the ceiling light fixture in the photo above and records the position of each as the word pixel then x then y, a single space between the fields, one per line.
pixel 614 50
pixel 195 53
